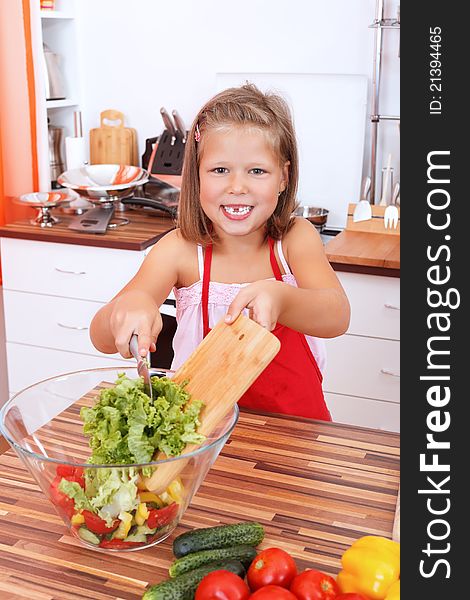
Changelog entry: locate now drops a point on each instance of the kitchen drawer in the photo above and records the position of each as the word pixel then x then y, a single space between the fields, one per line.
pixel 375 304
pixel 30 364
pixel 54 322
pixel 365 367
pixel 364 412
pixel 50 321
pixel 71 271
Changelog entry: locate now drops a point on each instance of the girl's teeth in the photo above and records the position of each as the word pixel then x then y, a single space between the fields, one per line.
pixel 238 210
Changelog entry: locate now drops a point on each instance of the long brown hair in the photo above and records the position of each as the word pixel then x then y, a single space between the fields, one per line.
pixel 245 105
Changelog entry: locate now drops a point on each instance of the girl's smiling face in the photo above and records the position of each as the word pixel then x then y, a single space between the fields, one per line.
pixel 240 179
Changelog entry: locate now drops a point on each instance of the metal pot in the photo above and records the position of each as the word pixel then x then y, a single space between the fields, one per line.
pixel 315 215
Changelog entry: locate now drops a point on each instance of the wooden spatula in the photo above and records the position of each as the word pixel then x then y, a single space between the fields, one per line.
pixel 219 372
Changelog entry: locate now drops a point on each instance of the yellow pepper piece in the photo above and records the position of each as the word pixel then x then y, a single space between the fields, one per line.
pixel 150 497
pixel 370 566
pixel 140 483
pixel 176 490
pixel 141 514
pixel 77 519
pixel 393 591
pixel 124 526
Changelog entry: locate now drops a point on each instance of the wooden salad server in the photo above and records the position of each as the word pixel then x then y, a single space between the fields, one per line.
pixel 219 372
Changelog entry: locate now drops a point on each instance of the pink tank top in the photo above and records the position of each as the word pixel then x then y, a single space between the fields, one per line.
pixel 189 331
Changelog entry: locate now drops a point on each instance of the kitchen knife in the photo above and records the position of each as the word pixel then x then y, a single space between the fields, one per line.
pixel 180 126
pixel 142 364
pixel 169 125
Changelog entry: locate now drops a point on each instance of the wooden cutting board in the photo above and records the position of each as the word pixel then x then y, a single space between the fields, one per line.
pixel 219 372
pixel 111 142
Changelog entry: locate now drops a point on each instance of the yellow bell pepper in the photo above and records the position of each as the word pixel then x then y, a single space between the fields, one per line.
pixel 393 591
pixel 77 519
pixel 370 566
pixel 176 490
pixel 141 514
pixel 150 497
pixel 124 526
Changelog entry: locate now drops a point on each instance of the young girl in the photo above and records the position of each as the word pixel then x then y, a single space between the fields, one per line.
pixel 238 248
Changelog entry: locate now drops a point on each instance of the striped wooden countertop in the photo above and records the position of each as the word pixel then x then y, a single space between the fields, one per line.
pixel 144 229
pixel 316 487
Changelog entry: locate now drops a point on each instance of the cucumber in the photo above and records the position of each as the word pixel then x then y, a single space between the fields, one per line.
pixel 88 536
pixel 184 586
pixel 245 554
pixel 222 536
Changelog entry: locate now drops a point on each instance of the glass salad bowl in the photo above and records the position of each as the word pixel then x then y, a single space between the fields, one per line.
pixel 64 428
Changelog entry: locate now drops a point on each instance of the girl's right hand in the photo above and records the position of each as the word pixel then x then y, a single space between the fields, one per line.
pixel 135 312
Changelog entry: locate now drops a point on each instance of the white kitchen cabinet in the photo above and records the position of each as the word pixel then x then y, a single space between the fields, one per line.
pixel 51 292
pixel 362 378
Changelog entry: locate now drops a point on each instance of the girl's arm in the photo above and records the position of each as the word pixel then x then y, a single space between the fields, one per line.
pixel 318 307
pixel 135 309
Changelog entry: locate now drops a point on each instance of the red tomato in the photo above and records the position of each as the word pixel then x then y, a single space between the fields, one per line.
pixel 314 585
pixel 71 473
pixel 272 566
pixel 97 524
pixel 272 592
pixel 222 585
pixel 65 470
pixel 350 596
pixel 63 502
pixel 158 517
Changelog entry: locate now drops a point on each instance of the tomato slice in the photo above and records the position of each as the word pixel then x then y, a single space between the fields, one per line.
pixel 222 585
pixel 65 470
pixel 118 544
pixel 158 517
pixel 272 566
pixel 98 525
pixel 63 502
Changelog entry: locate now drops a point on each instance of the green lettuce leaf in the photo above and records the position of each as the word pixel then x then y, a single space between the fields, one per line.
pixel 74 490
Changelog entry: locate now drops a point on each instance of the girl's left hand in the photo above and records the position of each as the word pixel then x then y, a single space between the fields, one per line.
pixel 264 300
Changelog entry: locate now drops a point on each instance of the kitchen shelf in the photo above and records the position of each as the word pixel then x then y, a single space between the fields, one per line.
pixel 56 14
pixel 60 103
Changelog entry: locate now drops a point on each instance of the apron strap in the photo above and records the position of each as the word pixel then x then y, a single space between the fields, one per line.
pixel 272 258
pixel 207 276
pixel 205 289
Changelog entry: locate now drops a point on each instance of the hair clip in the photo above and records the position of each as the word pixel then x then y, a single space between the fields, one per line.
pixel 197 133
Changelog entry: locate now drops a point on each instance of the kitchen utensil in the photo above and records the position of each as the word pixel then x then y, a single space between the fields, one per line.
pixel 104 186
pixel 385 182
pixel 363 210
pixel 391 214
pixel 56 160
pixel 219 372
pixel 42 423
pixel 169 125
pixel 142 364
pixel 44 202
pixel 180 126
pixel 111 142
pixel 317 216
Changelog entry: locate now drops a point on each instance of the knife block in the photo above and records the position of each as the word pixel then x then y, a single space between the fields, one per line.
pixel 168 158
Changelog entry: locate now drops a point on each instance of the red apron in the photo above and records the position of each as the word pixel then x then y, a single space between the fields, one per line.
pixel 291 383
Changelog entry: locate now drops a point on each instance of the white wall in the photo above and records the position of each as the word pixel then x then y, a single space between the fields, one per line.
pixel 141 55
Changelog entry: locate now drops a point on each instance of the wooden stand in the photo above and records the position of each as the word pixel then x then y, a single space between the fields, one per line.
pixel 374 225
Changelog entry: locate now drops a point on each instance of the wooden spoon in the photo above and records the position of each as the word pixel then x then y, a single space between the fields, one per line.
pixel 219 372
